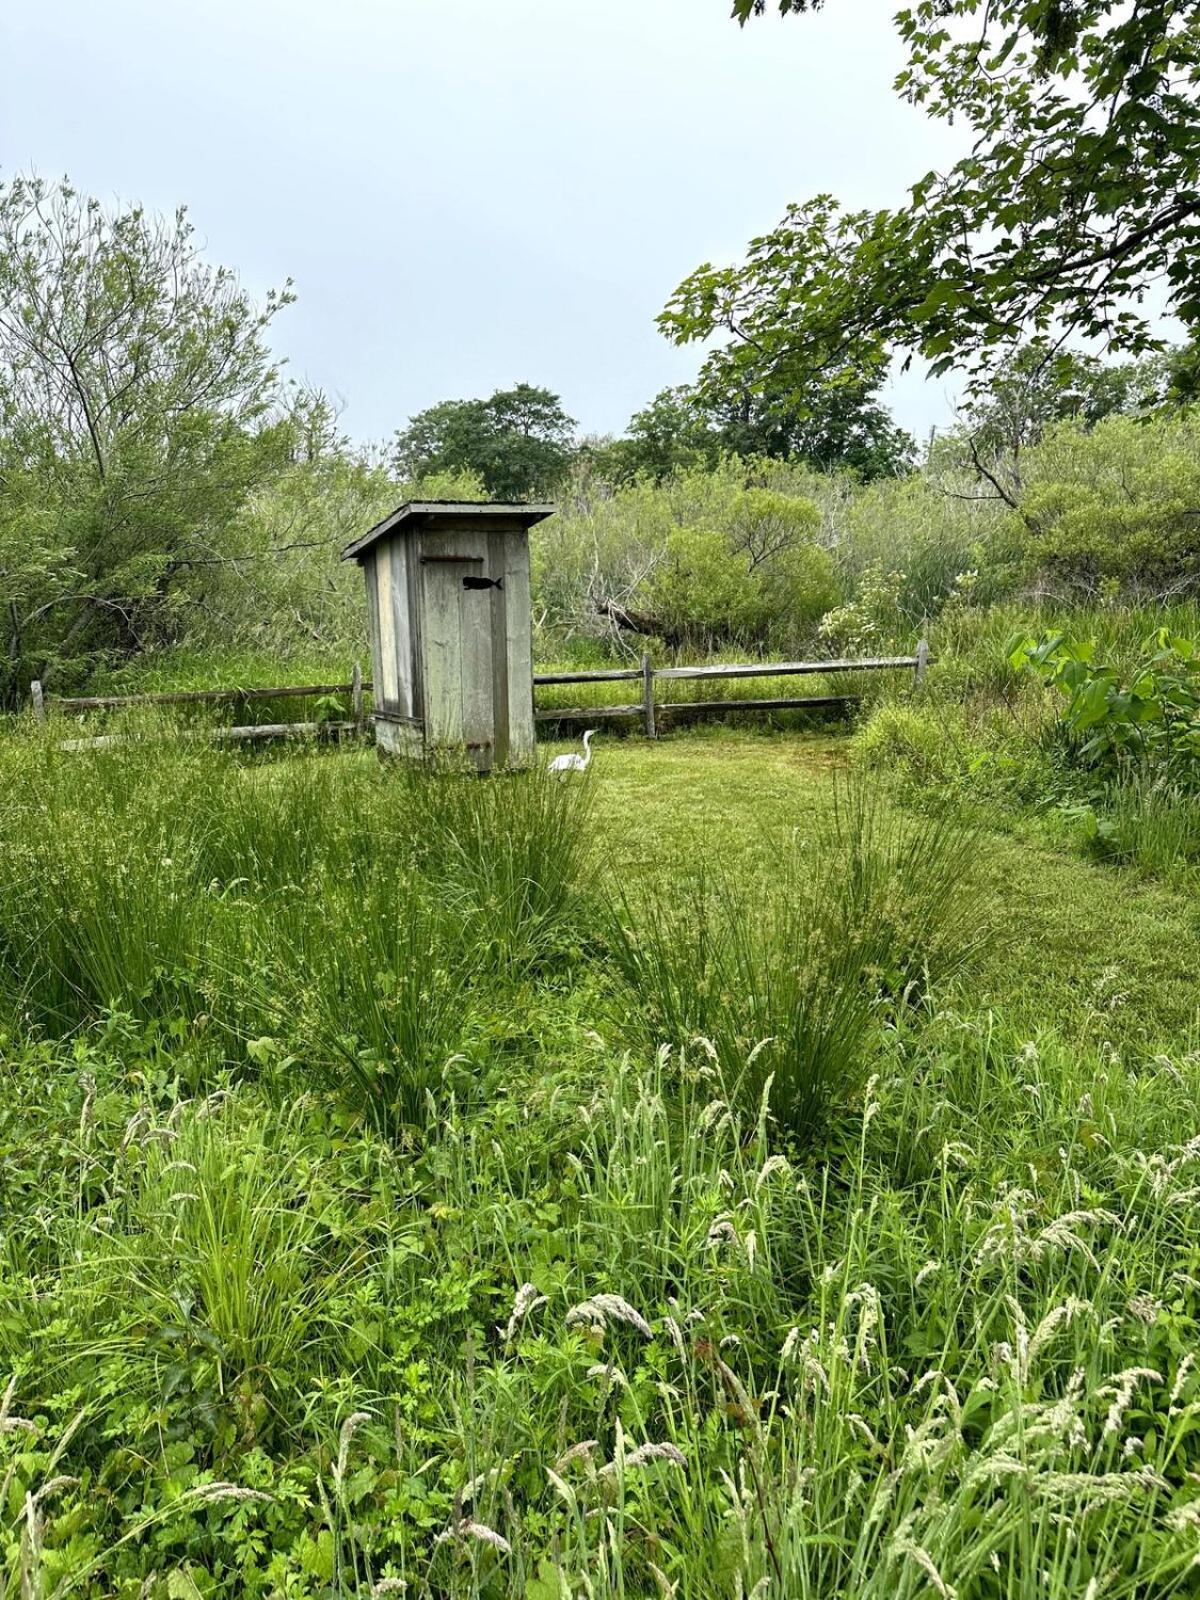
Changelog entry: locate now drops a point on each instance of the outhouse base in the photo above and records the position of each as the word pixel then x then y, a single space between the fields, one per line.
pixel 404 736
pixel 396 736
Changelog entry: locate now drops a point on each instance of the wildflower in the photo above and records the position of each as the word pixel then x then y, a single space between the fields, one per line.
pixel 860 1426
pixel 63 1481
pixel 1145 1307
pixel 676 1335
pixel 1060 1317
pixel 1121 1390
pixel 1184 1517
pixel 583 1448
pixel 870 1100
pixel 769 1167
pixel 1100 1488
pixel 611 1374
pixel 207 1492
pixel 902 1544
pixel 1181 1377
pixel 8 1423
pixel 470 1489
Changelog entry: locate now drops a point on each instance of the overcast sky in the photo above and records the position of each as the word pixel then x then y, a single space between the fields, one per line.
pixel 469 193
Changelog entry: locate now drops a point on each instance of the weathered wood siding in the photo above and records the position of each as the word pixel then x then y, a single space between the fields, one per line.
pixel 453 661
pixel 402 630
pixel 514 677
pixel 456 636
pixel 387 575
pixel 387 683
pixel 370 576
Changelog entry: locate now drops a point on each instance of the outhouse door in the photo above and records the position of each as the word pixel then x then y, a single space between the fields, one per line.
pixel 457 634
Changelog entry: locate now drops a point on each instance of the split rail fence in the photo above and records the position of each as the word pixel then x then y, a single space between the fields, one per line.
pixel 648 707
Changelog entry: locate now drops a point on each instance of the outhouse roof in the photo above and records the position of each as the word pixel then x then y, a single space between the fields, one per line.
pixel 414 514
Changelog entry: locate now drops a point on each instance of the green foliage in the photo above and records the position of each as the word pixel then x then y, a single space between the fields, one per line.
pixel 351 921
pixel 1078 190
pixel 135 387
pixel 832 427
pixel 709 558
pixel 873 618
pixel 828 426
pixel 763 575
pixel 1043 383
pixel 1149 716
pixel 906 740
pixel 519 443
pixel 743 10
pixel 1114 509
pixel 1143 822
pixel 669 435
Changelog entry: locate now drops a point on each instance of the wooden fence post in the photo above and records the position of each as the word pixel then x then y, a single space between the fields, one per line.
pixel 356 696
pixel 39 700
pixel 648 697
pixel 922 663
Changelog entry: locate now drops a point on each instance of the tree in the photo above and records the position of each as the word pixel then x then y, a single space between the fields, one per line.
pixel 1037 386
pixel 839 425
pixel 519 443
pixel 827 426
pixel 1041 384
pixel 135 396
pixel 1082 186
pixel 669 435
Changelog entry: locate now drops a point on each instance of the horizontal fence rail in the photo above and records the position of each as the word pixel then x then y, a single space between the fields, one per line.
pixel 788 669
pixel 607 675
pixel 647 708
pixel 105 702
pixel 259 732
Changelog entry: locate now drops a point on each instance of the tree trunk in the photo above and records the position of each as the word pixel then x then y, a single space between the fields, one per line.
pixel 639 622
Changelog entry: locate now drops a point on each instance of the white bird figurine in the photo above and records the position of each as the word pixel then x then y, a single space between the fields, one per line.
pixel 573 762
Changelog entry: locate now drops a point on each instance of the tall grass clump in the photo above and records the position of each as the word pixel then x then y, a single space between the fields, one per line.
pixel 357 921
pixel 507 854
pixel 97 884
pixel 379 991
pixel 786 980
pixel 1146 822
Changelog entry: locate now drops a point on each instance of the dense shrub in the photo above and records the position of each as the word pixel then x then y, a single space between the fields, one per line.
pixel 1113 509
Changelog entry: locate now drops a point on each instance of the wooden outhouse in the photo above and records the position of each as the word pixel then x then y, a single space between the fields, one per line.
pixel 451 629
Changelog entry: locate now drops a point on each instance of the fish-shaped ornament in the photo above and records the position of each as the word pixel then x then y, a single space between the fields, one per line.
pixel 471 582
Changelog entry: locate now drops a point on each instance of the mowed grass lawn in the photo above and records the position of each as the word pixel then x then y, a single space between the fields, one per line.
pixel 1087 951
